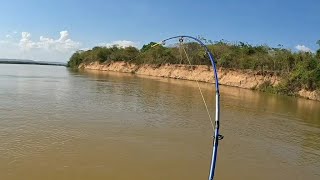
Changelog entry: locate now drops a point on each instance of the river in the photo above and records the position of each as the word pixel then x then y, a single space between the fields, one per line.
pixel 61 124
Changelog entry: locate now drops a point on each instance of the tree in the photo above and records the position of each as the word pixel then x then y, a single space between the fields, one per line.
pixel 147 46
pixel 298 69
pixel 75 60
pixel 318 51
pixel 318 54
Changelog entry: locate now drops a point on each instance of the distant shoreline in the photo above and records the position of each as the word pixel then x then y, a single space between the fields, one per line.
pixel 32 63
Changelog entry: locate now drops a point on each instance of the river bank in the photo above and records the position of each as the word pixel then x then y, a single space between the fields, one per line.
pixel 202 73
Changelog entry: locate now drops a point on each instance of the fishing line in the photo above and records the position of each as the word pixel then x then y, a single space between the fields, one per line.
pixel 181 58
pixel 217 136
pixel 200 90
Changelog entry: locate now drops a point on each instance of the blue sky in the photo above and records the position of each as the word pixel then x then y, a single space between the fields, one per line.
pixel 84 24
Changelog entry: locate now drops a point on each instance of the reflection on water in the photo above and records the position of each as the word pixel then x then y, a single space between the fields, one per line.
pixel 61 124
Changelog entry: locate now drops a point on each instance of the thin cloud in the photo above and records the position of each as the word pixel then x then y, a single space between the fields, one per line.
pixel 64 43
pixel 121 43
pixel 45 48
pixel 303 48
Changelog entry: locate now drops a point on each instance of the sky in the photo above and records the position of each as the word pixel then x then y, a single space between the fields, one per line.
pixel 51 30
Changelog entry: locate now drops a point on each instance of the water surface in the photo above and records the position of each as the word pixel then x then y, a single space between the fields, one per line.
pixel 60 124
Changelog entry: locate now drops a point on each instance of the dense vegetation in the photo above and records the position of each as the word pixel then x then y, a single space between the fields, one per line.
pixel 298 69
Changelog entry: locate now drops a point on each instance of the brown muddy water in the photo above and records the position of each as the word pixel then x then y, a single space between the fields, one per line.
pixel 60 124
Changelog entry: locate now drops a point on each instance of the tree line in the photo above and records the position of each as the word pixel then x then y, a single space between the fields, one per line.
pixel 299 70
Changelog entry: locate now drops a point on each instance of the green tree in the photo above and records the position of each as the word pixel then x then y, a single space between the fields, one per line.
pixel 318 51
pixel 75 60
pixel 297 69
pixel 147 46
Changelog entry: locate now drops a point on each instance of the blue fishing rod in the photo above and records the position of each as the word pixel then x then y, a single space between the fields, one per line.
pixel 216 136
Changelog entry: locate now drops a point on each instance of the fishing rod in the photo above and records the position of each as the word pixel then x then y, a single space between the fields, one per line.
pixel 216 136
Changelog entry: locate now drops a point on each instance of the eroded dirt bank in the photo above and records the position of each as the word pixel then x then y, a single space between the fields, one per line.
pixel 241 79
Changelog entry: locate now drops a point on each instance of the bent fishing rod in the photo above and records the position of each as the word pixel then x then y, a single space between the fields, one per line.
pixel 216 137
